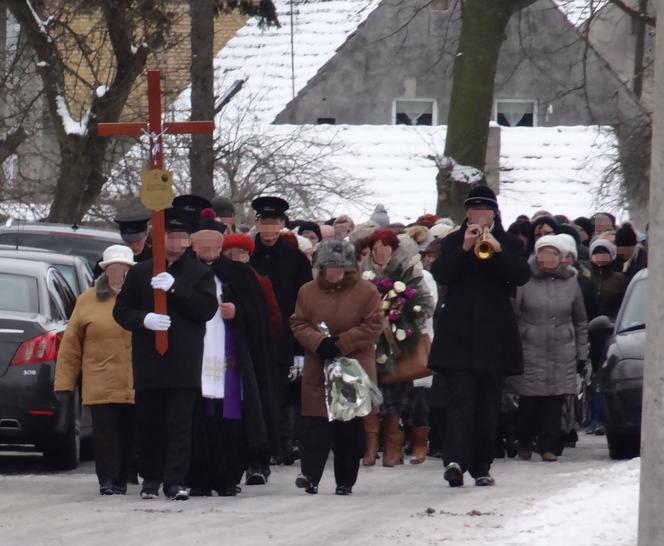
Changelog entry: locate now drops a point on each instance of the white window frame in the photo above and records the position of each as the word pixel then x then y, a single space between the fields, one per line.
pixel 533 101
pixel 434 109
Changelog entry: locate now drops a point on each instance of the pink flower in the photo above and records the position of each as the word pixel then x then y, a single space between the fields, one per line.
pixel 409 332
pixel 400 301
pixel 410 293
pixel 393 316
pixel 387 284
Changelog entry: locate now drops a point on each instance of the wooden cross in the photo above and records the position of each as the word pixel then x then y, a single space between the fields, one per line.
pixel 155 130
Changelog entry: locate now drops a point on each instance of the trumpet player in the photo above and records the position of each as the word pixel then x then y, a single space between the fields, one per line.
pixel 477 341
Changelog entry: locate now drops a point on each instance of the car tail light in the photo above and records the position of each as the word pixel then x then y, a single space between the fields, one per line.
pixel 38 349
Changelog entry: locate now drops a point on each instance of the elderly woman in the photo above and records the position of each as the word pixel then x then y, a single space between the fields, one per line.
pixel 389 253
pixel 95 347
pixel 351 309
pixel 554 334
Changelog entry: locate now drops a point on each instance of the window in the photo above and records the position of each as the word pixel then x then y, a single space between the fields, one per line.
pixel 415 112
pixel 18 293
pixel 326 121
pixel 516 113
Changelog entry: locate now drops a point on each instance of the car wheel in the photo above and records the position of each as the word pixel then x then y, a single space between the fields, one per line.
pixel 623 446
pixel 63 451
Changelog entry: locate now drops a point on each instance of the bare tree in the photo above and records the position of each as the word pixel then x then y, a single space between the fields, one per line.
pixel 130 29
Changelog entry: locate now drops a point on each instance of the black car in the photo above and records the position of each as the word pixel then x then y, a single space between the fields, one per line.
pixel 35 305
pixel 73 240
pixel 621 373
pixel 75 269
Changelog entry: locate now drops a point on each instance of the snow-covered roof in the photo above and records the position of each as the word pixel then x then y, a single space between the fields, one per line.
pixel 579 11
pixel 559 169
pixel 272 69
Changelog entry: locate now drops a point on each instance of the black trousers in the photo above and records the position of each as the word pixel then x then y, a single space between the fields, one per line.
pixel 218 452
pixel 472 419
pixel 540 416
pixel 420 411
pixel 345 438
pixel 437 422
pixel 113 431
pixel 164 418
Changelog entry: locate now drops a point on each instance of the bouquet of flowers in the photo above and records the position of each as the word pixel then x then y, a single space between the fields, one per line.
pixel 405 307
pixel 349 391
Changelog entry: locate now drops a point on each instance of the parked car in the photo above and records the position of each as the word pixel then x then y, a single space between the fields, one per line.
pixel 75 269
pixel 73 240
pixel 35 305
pixel 621 373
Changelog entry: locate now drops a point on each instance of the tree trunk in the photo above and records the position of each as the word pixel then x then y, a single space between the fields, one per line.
pixel 482 34
pixel 201 154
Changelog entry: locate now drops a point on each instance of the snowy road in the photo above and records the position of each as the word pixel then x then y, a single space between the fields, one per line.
pixel 585 498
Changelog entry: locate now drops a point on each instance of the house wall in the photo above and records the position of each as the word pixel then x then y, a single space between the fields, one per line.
pixel 543 58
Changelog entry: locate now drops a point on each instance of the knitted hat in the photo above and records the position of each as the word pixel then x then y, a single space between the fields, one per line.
pixel 334 253
pixel 380 216
pixel 551 241
pixel 568 244
pixel 585 224
pixel 481 196
pixel 602 245
pixel 239 240
pixel 625 236
pixel 223 207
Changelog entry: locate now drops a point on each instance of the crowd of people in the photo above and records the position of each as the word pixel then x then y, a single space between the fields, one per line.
pixel 475 335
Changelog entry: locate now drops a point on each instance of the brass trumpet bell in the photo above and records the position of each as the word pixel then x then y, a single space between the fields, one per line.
pixel 483 249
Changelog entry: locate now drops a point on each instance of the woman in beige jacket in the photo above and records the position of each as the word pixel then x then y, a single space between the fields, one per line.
pixel 95 347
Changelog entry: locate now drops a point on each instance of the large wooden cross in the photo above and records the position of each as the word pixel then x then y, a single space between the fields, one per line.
pixel 155 129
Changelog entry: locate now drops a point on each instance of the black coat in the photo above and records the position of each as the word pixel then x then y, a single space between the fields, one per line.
pixel 477 328
pixel 254 351
pixel 192 301
pixel 288 269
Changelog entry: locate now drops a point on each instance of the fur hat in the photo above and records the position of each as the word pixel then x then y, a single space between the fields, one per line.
pixel 441 230
pixel 385 236
pixel 599 245
pixel 334 253
pixel 309 226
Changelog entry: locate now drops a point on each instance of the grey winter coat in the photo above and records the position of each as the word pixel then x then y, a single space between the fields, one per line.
pixel 554 332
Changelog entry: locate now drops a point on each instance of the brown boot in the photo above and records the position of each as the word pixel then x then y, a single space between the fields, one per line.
pixel 371 430
pixel 393 439
pixel 419 437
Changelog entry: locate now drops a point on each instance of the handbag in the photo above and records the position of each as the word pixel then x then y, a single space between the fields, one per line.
pixel 411 366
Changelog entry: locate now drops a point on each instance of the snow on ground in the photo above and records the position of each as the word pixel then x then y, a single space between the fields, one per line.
pixel 584 498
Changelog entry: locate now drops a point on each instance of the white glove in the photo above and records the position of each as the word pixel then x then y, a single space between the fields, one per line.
pixel 157 322
pixel 163 281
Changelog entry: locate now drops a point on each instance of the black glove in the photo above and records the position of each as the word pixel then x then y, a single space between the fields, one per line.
pixel 327 349
pixel 64 411
pixel 581 366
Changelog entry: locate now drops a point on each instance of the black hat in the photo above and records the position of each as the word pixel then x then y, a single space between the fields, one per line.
pixel 310 226
pixel 625 236
pixel 481 196
pixel 192 203
pixel 133 225
pixel 585 224
pixel 223 207
pixel 177 219
pixel 206 222
pixel 270 207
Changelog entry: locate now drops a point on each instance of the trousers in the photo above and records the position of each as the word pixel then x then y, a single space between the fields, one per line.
pixel 345 438
pixel 113 431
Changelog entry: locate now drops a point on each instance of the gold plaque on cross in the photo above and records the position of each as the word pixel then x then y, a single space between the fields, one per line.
pixel 157 189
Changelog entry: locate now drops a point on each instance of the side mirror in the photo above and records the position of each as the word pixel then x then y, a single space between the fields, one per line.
pixel 601 325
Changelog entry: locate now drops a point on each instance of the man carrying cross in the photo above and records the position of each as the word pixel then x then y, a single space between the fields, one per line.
pixel 167 384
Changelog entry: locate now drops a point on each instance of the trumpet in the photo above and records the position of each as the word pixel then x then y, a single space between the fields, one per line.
pixel 483 248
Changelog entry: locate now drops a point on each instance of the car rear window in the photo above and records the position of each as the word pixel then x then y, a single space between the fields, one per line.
pixel 18 293
pixel 88 247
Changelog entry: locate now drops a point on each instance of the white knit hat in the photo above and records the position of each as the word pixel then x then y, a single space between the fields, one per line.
pixel 117 254
pixel 569 245
pixel 552 241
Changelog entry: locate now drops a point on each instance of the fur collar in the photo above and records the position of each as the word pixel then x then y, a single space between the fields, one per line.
pixel 103 290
